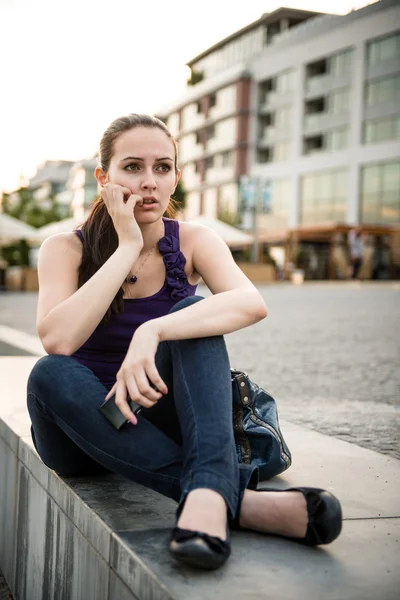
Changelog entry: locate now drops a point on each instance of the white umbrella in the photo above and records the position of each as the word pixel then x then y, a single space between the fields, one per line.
pixel 235 238
pixel 64 226
pixel 12 229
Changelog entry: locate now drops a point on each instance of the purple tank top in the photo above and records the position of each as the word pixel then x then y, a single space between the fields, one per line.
pixel 105 350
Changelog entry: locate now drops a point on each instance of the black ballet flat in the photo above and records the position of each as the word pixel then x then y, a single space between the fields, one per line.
pixel 199 549
pixel 324 515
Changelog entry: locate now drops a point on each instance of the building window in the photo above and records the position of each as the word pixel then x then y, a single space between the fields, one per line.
pixel 226 159
pixel 340 63
pixel 317 105
pixel 283 118
pixel 382 91
pixel 264 155
pixel 272 30
pixel 383 49
pixel 381 130
pixel 198 138
pixel 319 67
pixel 324 197
pixel 198 107
pixel 380 193
pixel 209 162
pixel 281 151
pixel 281 195
pixel 285 81
pixel 336 139
pixel 339 101
pixel 212 100
pixel 314 143
pixel 210 132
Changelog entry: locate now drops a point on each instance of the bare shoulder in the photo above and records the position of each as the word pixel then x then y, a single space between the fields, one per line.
pixel 63 241
pixel 194 232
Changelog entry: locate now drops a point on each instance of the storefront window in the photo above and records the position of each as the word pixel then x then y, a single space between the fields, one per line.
pixel 380 193
pixel 324 197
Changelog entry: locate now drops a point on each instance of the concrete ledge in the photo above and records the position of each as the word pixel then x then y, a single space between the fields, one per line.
pixel 106 537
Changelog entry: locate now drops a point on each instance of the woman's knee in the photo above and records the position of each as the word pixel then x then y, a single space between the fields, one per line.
pixel 188 301
pixel 46 369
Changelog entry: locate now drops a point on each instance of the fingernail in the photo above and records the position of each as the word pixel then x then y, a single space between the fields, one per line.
pixel 132 422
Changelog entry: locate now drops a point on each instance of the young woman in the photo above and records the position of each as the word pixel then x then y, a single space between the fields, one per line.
pixel 118 313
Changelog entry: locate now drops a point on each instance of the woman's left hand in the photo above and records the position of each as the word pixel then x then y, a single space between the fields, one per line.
pixel 138 372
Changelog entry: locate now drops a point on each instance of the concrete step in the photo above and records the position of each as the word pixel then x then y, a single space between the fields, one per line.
pixel 106 537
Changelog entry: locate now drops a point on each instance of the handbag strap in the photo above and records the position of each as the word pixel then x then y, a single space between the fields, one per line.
pixel 244 392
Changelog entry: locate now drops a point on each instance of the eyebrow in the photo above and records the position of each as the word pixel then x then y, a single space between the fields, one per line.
pixel 142 159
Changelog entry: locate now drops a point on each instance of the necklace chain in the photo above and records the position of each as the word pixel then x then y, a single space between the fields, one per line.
pixel 133 278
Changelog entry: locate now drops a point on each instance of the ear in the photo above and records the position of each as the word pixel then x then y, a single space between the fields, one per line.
pixel 177 178
pixel 101 177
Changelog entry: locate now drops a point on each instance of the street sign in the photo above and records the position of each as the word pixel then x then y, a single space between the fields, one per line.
pixel 247 190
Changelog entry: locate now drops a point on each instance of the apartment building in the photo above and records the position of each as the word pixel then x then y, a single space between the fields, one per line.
pixel 310 104
pixel 212 120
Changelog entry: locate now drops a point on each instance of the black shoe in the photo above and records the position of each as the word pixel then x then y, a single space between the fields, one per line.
pixel 199 549
pixel 324 515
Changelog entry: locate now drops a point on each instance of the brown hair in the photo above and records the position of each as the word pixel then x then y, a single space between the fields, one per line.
pixel 100 240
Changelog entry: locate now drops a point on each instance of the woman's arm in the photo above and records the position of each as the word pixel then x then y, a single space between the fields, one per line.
pixel 235 303
pixel 66 315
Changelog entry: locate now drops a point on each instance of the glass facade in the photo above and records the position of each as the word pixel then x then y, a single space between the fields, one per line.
pixel 383 91
pixel 336 139
pixel 383 49
pixel 283 118
pixel 381 130
pixel 281 192
pixel 324 197
pixel 281 151
pixel 340 63
pixel 285 81
pixel 339 101
pixel 380 193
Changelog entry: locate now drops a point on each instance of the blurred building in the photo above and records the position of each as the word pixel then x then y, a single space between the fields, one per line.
pixel 49 182
pixel 71 185
pixel 82 186
pixel 310 104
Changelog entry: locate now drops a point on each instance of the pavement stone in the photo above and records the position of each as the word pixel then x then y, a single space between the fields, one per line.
pixel 328 352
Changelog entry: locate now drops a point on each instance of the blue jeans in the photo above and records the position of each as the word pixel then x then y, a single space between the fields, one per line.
pixel 182 443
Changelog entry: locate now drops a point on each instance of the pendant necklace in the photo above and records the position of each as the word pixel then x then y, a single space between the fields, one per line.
pixel 133 278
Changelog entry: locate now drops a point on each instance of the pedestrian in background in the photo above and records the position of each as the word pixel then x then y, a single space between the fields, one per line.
pixel 356 247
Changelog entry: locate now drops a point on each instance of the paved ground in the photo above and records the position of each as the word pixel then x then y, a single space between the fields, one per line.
pixel 328 352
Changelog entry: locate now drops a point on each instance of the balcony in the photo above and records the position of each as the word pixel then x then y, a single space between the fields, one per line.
pixel 268 135
pixel 319 83
pixel 275 98
pixel 321 121
pixel 191 153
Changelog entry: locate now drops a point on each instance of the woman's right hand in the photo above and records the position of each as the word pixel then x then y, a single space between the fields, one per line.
pixel 120 203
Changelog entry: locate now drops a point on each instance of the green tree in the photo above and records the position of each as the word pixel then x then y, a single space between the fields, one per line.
pixel 29 210
pixel 228 216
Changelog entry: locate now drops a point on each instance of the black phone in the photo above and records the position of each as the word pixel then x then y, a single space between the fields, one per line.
pixel 111 411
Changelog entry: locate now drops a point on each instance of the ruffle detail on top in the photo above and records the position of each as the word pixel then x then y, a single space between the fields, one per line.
pixel 174 261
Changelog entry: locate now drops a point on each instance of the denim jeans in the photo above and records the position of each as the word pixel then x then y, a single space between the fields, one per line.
pixel 182 443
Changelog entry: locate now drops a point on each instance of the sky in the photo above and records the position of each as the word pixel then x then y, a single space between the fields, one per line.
pixel 68 68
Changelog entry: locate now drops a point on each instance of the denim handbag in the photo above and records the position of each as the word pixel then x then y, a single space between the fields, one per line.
pixel 258 437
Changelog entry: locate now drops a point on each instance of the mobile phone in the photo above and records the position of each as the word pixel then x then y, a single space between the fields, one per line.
pixel 111 411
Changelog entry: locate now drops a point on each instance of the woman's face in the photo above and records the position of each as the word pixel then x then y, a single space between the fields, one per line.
pixel 143 161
